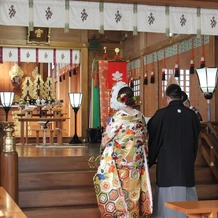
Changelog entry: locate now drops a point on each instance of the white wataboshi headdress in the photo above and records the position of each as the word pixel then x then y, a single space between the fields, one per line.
pixel 114 92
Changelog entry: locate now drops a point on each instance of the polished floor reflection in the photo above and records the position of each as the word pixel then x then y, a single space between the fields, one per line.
pixel 32 150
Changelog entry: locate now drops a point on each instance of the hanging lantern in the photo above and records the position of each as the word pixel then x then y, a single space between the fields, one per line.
pixel 74 71
pixel 153 69
pixel 176 68
pixel 202 64
pixel 145 82
pixel 163 74
pixel 131 83
pixel 152 77
pixel 163 69
pixel 70 72
pixel 177 71
pixel 192 67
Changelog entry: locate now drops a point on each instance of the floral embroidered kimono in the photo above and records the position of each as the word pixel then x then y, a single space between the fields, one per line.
pixel 122 182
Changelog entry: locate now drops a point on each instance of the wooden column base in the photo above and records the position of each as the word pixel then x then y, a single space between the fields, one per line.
pixel 9 173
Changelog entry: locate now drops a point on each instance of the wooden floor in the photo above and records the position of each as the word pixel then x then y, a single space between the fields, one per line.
pixel 33 150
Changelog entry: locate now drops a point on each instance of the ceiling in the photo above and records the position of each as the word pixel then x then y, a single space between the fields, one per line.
pixel 212 4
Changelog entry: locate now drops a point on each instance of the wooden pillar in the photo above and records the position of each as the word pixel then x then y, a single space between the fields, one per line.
pixel 9 164
pixel 1 141
pixel 83 113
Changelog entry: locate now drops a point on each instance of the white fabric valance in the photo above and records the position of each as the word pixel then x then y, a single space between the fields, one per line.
pixel 40 55
pixel 151 19
pixel 108 16
pixel 183 20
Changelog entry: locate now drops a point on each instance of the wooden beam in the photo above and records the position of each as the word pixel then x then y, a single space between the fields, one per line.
pixel 164 43
pixel 213 4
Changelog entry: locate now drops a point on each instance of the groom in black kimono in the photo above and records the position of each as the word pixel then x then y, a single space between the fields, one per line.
pixel 173 144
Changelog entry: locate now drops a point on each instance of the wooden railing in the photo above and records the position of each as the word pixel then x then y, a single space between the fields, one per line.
pixel 209 145
pixel 196 209
pixel 8 207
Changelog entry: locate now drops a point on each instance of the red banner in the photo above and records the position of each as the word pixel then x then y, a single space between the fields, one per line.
pixel 117 71
pixel 104 92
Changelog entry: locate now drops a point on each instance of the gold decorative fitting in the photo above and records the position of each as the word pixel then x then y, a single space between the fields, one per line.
pixel 35 72
pixel 16 71
pixel 9 141
pixel 116 50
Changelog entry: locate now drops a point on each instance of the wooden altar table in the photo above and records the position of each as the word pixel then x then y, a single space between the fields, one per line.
pixel 196 209
pixel 24 122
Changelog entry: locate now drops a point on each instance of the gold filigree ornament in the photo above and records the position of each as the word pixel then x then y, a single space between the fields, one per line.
pixel 35 72
pixel 16 123
pixel 16 71
pixel 16 74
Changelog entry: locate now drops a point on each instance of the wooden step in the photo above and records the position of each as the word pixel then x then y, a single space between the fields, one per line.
pixel 207 191
pixel 63 212
pixel 204 175
pixel 200 161
pixel 57 198
pixel 53 164
pixel 52 180
pixel 62 185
